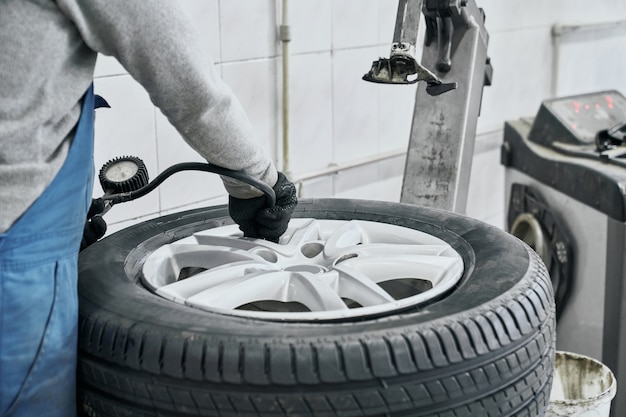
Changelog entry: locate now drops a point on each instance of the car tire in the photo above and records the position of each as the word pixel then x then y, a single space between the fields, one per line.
pixel 485 348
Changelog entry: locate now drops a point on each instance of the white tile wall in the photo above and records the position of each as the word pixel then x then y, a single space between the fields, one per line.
pixel 508 15
pixel 522 62
pixel 335 117
pixel 204 15
pixel 355 105
pixel 589 61
pixel 357 182
pixel 386 22
pixel 395 113
pixel 485 199
pixel 249 29
pixel 322 187
pixel 355 23
pixel 391 167
pixel 311 26
pixel 311 107
pixel 107 66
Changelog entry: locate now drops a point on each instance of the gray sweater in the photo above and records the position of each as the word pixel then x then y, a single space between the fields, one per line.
pixel 48 51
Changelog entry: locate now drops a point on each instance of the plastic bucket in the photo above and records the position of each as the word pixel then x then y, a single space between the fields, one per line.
pixel 582 387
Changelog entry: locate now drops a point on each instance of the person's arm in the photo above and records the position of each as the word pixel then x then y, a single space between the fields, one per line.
pixel 157 45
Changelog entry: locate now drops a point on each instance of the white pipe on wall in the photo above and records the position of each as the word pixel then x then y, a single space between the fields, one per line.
pixel 560 31
pixel 285 38
pixel 336 168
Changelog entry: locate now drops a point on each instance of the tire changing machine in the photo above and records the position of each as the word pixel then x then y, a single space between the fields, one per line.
pixel 455 68
pixel 566 197
pixel 565 170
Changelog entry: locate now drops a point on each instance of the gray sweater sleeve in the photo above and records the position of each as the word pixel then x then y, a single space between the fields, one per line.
pixel 159 47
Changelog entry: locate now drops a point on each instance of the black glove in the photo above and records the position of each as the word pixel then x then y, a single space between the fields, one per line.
pixel 257 221
pixel 95 226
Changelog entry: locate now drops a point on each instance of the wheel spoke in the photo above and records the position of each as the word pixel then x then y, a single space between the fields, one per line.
pixel 357 286
pixel 167 262
pixel 181 290
pixel 315 293
pixel 293 240
pixel 348 235
pixel 230 236
pixel 275 285
pixel 387 249
pixel 232 293
pixel 431 268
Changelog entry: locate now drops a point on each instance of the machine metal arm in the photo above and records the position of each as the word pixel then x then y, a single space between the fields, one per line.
pixel 401 67
pixel 443 132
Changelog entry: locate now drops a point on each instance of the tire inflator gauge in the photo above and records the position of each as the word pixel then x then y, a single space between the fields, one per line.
pixel 126 178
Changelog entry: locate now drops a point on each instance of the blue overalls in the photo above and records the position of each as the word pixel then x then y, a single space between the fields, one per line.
pixel 38 288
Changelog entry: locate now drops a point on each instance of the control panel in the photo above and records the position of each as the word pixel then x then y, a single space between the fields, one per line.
pixel 577 120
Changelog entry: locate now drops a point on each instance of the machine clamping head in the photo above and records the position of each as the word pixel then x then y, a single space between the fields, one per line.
pixel 402 67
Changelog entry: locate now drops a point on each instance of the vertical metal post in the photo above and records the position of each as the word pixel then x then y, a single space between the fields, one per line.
pixel 443 130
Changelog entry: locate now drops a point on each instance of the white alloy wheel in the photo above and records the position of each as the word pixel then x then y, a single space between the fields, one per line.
pixel 321 269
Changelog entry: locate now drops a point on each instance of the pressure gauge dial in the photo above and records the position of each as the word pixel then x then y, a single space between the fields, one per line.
pixel 123 174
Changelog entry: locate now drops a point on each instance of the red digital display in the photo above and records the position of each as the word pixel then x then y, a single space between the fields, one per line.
pixel 587 114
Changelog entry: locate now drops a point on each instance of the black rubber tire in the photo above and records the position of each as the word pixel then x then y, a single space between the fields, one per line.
pixel 485 349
